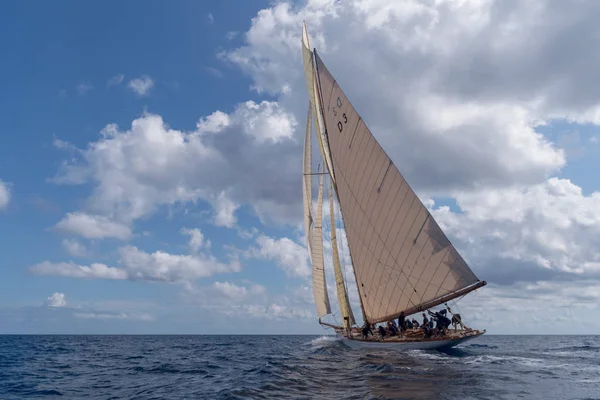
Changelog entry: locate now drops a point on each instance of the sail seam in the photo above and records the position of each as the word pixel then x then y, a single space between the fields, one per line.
pixel 384 176
pixel 403 263
pixel 354 132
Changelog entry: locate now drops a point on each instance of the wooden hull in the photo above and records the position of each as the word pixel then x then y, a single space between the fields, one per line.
pixel 414 344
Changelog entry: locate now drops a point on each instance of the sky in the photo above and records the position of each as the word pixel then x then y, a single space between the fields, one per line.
pixel 151 155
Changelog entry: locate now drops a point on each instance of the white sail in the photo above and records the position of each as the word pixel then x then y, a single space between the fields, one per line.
pixel 401 258
pixel 307 181
pixel 318 266
pixel 342 293
pixel 313 96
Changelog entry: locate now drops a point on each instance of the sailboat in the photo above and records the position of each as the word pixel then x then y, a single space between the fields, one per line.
pixel 402 261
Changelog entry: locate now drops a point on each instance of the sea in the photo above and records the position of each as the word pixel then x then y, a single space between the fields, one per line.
pixel 294 367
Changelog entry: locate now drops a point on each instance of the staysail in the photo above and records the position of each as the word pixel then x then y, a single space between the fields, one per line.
pixel 318 264
pixel 311 86
pixel 342 293
pixel 402 259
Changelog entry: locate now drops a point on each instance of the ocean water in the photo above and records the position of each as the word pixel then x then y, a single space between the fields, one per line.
pixel 299 367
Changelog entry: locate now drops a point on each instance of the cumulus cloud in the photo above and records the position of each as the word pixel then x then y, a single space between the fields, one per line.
pixel 4 194
pixel 249 301
pixel 74 247
pixel 73 270
pixel 287 254
pixel 57 300
pixel 224 163
pixel 92 226
pixel 235 292
pixel 551 226
pixel 197 239
pixel 139 265
pixel 141 86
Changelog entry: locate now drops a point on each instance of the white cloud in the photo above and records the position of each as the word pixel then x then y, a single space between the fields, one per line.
pixel 214 72
pixel 73 270
pixel 141 86
pixel 74 247
pixel 224 211
pixel 214 123
pixel 92 226
pixel 552 226
pixel 249 301
pixel 139 265
pixel 287 254
pixel 4 194
pixel 122 315
pixel 136 171
pixel 235 292
pixel 57 300
pixel 83 88
pixel 197 239
pixel 211 18
pixel 116 80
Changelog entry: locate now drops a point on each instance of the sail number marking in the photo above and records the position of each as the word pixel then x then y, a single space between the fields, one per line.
pixel 344 117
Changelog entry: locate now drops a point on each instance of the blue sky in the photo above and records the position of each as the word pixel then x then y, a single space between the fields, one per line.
pixel 209 104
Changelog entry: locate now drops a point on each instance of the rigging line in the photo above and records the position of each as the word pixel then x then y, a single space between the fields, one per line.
pixel 463 321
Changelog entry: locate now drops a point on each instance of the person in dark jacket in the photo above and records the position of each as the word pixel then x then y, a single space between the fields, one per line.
pixel 366 330
pixel 401 323
pixel 425 320
pixel 381 331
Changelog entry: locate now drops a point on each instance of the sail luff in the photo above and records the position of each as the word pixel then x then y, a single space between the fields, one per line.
pixel 402 259
pixel 318 265
pixel 342 294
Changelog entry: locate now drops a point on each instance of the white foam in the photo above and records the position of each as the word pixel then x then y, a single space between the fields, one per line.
pixel 324 341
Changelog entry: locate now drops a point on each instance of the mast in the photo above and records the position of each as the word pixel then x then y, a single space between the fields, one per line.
pixel 402 260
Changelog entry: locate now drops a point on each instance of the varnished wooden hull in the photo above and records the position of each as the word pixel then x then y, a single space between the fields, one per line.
pixel 414 344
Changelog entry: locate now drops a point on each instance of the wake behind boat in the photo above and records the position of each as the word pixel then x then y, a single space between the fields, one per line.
pixel 402 261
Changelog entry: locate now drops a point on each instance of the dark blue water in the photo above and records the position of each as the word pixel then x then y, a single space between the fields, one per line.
pixel 309 367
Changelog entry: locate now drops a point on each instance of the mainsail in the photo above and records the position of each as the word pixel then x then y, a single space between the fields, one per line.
pixel 402 259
